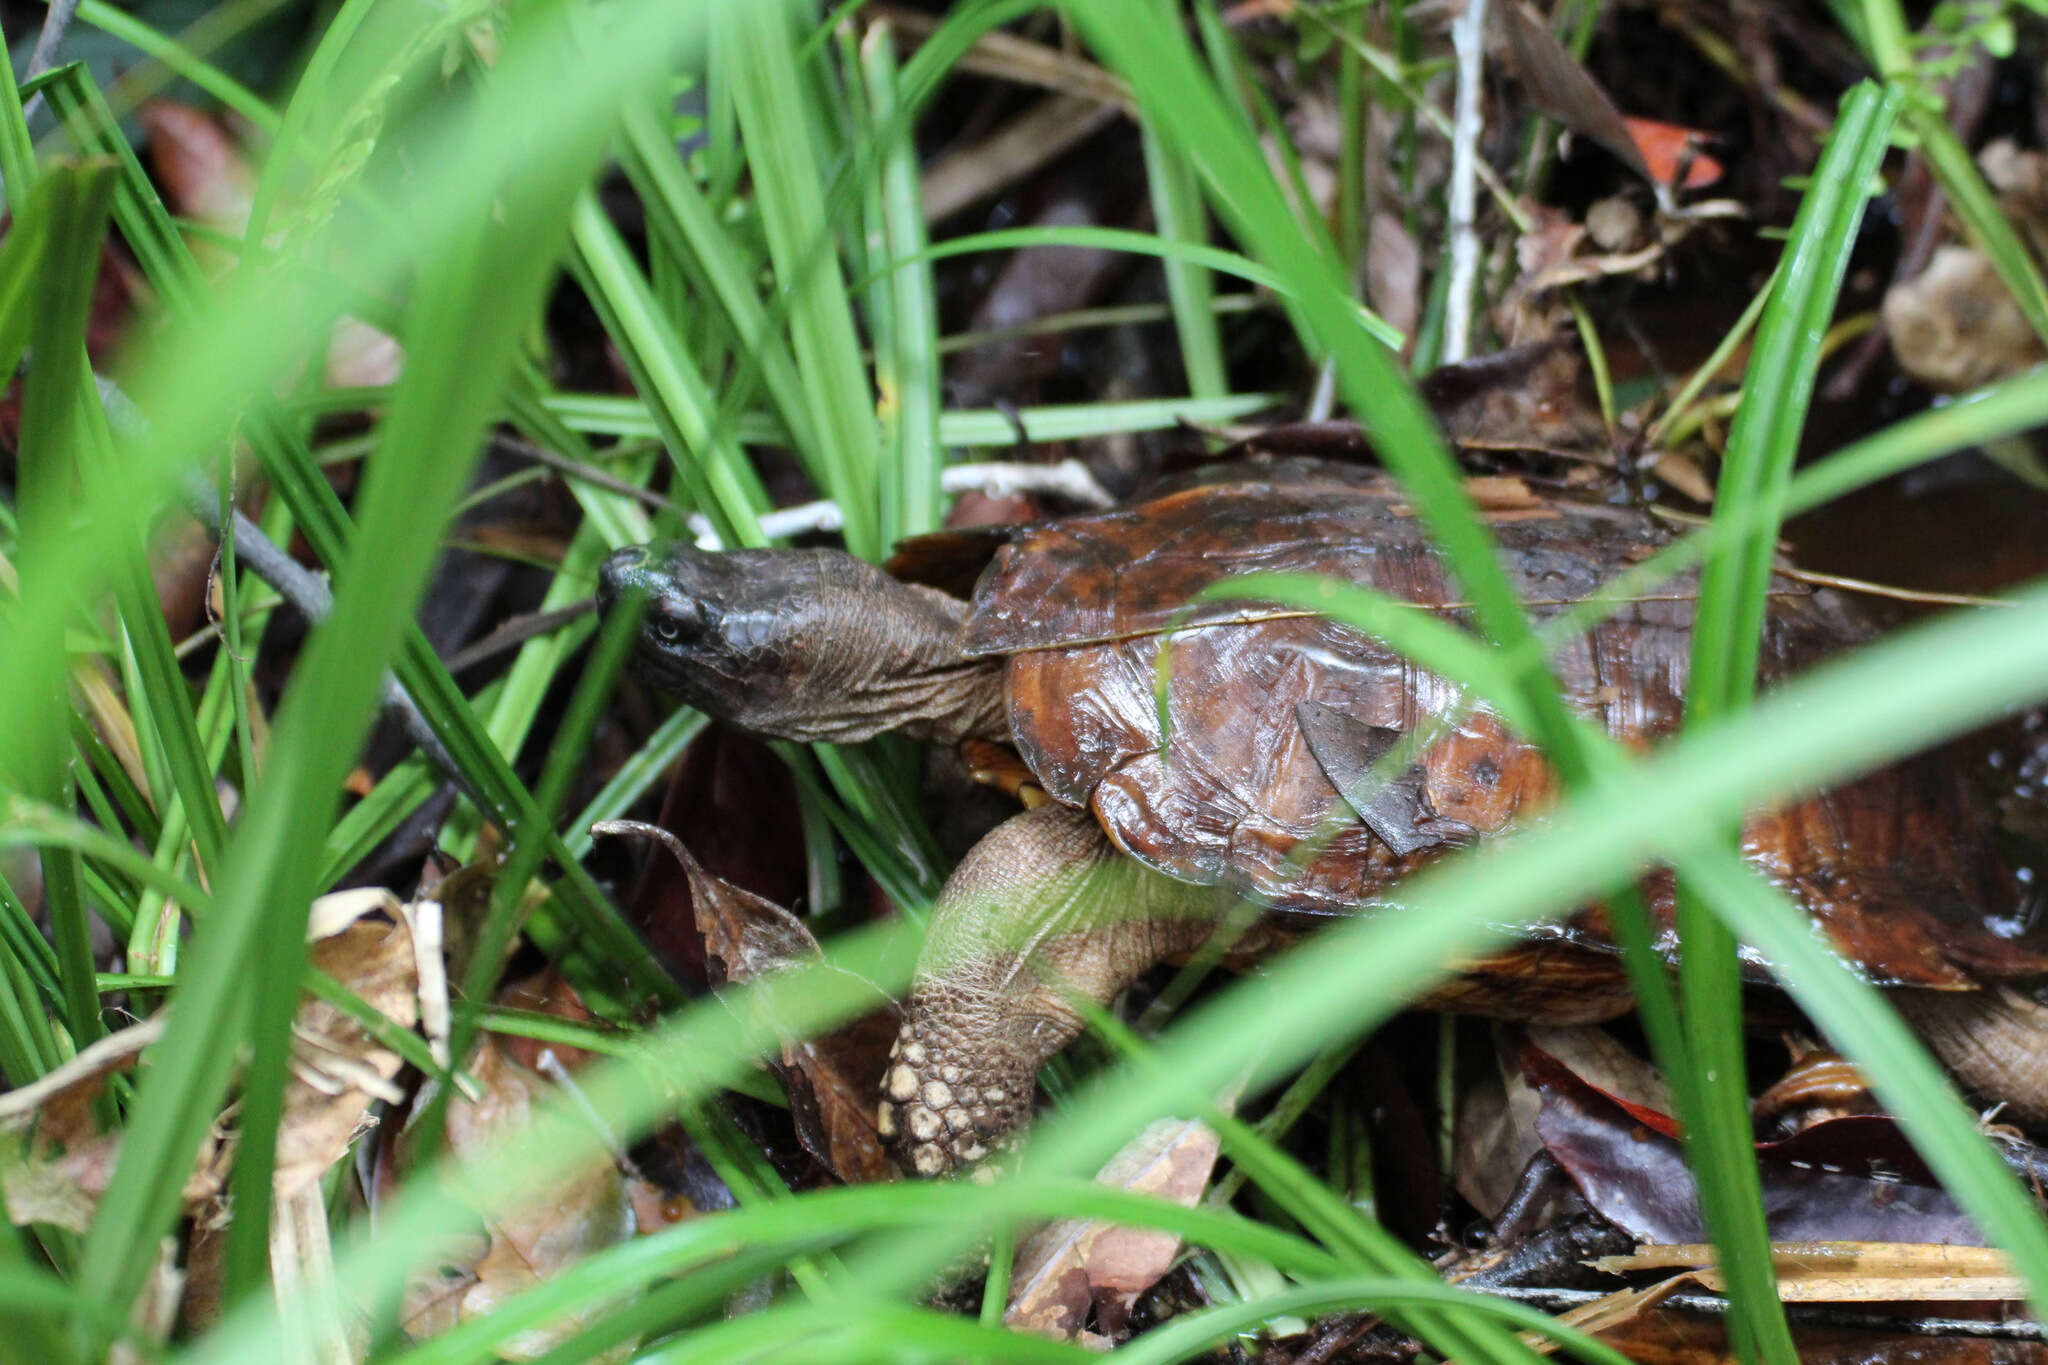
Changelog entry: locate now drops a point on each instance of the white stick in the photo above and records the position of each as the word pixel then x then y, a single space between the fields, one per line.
pixel 1069 478
pixel 1468 38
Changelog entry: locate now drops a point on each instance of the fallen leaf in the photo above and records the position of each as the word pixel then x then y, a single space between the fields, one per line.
pixel 1526 398
pixel 1666 148
pixel 1851 1272
pixel 54 1160
pixel 529 1243
pixel 360 356
pixel 1393 273
pixel 1069 1267
pixel 548 993
pixel 834 1080
pixel 1847 1179
pixel 1670 1337
pixel 1955 326
pixel 203 173
pixel 1559 87
pixel 338 1069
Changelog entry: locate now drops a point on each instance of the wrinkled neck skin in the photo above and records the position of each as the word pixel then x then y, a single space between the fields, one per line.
pixel 805 644
pixel 893 665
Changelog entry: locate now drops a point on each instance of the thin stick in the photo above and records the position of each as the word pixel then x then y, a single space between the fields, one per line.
pixel 1468 39
pixel 56 23
pixel 1069 479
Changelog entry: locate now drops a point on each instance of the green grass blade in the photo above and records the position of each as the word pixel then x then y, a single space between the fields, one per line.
pixel 467 324
pixel 907 374
pixel 1182 218
pixel 179 57
pixel 163 693
pixel 1727 637
pixel 1164 74
pixel 139 212
pixel 1192 1334
pixel 17 151
pixel 681 216
pixel 74 203
pixel 752 50
pixel 1282 281
pixel 635 776
pixel 720 480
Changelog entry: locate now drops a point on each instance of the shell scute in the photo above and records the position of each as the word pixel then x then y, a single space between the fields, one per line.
pixel 1894 867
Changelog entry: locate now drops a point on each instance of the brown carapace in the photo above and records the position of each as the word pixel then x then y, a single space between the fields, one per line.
pixel 1287 772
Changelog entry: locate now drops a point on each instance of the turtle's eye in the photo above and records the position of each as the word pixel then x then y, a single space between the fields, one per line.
pixel 674 622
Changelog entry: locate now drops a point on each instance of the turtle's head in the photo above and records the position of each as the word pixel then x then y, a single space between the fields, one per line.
pixel 792 644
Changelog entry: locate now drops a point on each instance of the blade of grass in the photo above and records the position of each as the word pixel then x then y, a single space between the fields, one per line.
pixel 1727 638
pixel 1223 262
pixel 17 155
pixel 1191 1334
pixel 162 694
pixel 907 377
pixel 1178 209
pixel 1156 59
pixel 752 49
pixel 1886 36
pixel 182 56
pixel 635 776
pixel 683 217
pixel 721 482
pixel 139 213
pixel 467 325
pixel 75 204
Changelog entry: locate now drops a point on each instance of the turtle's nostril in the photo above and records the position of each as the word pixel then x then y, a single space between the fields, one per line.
pixel 617 574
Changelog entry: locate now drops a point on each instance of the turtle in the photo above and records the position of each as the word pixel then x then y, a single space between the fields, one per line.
pixel 1269 784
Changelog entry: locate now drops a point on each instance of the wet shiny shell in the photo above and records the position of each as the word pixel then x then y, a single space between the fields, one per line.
pixel 1895 866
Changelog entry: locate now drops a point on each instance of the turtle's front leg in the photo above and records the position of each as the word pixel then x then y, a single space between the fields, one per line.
pixel 1042 907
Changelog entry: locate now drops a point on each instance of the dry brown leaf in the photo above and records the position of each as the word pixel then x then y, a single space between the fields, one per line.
pixel 1852 1272
pixel 1393 273
pixel 1020 146
pixel 204 175
pixel 1528 398
pixel 834 1080
pixel 1620 1308
pixel 549 993
pixel 1955 326
pixel 571 1218
pixel 1068 1267
pixel 54 1160
pixel 361 357
pixel 1559 87
pixel 1593 1055
pixel 1683 473
pixel 1496 1138
pixel 338 1069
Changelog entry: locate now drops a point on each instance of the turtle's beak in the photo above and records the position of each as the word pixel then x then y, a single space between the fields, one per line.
pixel 624 572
